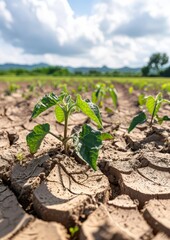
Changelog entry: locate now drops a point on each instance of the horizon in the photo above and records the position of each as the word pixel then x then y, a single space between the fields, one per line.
pixel 42 63
pixel 83 33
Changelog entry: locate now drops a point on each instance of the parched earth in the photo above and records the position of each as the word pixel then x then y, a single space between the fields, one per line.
pixel 46 195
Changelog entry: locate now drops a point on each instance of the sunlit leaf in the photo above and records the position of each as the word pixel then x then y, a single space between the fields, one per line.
pixel 159 97
pixel 162 119
pixel 141 99
pixel 59 114
pixel 166 101
pixel 138 119
pixel 73 230
pixel 35 137
pixel 87 145
pixel 89 109
pixel 94 98
pixel 46 102
pixel 106 136
pixel 131 89
pixel 150 103
pixel 113 95
pixel 153 104
pixel 108 110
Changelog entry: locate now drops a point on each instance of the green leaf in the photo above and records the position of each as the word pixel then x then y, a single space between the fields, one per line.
pixel 159 97
pixel 73 230
pixel 166 101
pixel 59 114
pixel 131 89
pixel 138 119
pixel 150 103
pixel 94 98
pixel 153 104
pixel 87 145
pixel 46 102
pixel 113 95
pixel 141 99
pixel 89 109
pixel 108 110
pixel 166 118
pixel 161 120
pixel 98 91
pixel 106 136
pixel 35 137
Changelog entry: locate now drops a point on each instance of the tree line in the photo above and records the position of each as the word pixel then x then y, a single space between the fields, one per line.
pixel 156 66
pixel 61 71
pixel 55 71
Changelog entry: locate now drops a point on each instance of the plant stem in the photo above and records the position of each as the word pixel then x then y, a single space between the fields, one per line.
pixel 55 136
pixel 153 114
pixel 65 138
pixel 65 133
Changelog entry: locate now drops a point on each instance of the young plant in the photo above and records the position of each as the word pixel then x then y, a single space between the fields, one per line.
pixel 31 88
pixel 63 87
pixel 86 143
pixel 141 99
pixel 20 156
pixel 12 88
pixel 73 230
pixel 153 106
pixel 101 92
pixel 131 89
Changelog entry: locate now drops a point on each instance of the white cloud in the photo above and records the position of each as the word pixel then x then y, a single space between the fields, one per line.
pixel 117 33
pixel 5 15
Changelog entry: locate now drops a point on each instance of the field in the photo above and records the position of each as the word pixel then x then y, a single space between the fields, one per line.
pixel 54 195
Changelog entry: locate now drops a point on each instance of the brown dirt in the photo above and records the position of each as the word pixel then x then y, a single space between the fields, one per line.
pixel 127 198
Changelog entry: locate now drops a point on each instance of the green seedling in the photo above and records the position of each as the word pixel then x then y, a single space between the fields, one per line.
pixel 166 87
pixel 73 230
pixel 86 143
pixel 82 88
pixel 131 89
pixel 101 91
pixel 31 87
pixel 19 156
pixel 31 90
pixel 153 106
pixel 63 87
pixel 141 99
pixel 11 89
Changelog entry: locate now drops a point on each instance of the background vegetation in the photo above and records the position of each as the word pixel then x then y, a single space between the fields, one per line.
pixel 157 66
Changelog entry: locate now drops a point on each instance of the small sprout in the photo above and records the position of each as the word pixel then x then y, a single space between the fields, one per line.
pixel 86 143
pixel 131 89
pixel 101 92
pixel 63 87
pixel 153 106
pixel 138 119
pixel 166 87
pixel 108 110
pixel 31 87
pixel 19 156
pixel 82 88
pixel 141 99
pixel 11 89
pixel 73 230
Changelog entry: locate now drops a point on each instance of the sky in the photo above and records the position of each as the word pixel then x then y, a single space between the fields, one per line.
pixel 114 33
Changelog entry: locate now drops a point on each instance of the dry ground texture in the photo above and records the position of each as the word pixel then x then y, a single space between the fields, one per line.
pixel 43 196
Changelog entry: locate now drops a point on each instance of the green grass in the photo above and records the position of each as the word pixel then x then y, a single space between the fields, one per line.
pixel 137 82
pixel 145 83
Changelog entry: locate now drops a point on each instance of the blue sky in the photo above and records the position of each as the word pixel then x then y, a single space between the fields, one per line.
pixel 83 32
pixel 82 7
